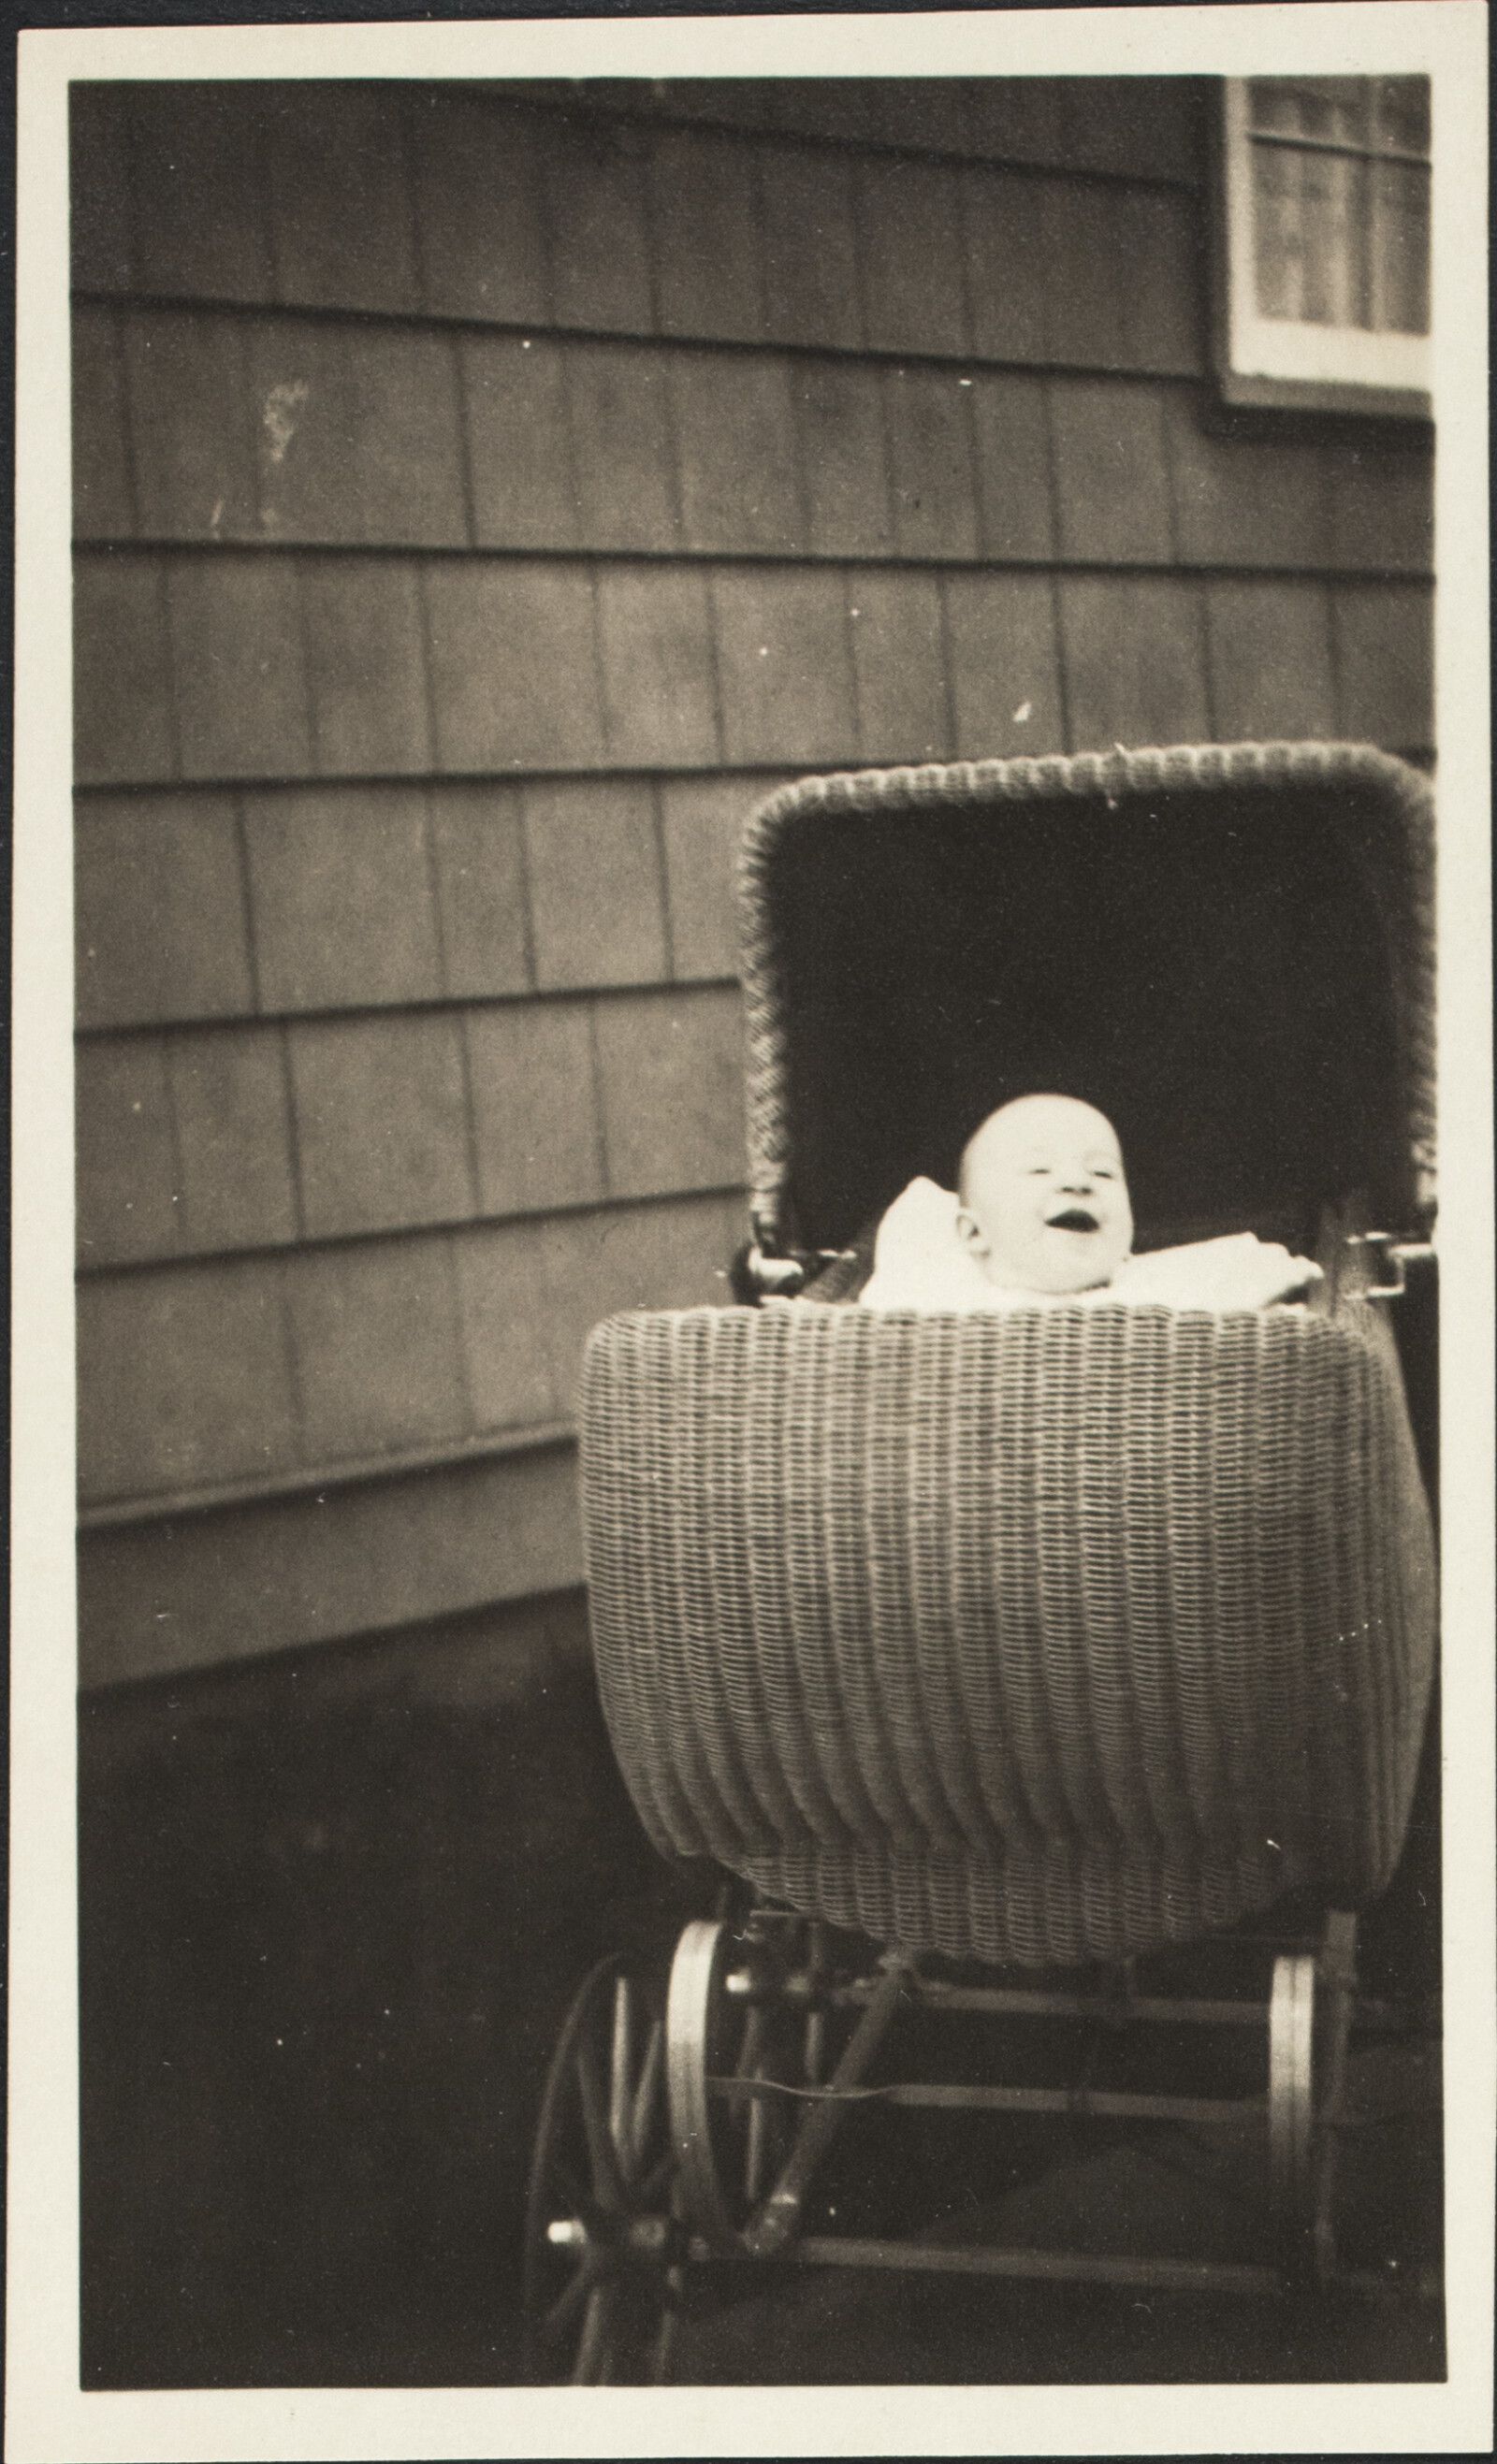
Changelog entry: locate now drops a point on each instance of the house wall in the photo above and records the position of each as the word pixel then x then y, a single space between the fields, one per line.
pixel 483 496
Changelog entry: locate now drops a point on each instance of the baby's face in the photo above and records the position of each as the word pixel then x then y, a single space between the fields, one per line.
pixel 1045 1201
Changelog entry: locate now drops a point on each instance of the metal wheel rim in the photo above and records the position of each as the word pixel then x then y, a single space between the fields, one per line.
pixel 1291 2113
pixel 728 2162
pixel 697 1974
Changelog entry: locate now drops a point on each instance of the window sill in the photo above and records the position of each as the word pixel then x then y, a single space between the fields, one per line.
pixel 1324 396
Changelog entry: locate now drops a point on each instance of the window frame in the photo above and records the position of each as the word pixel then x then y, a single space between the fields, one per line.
pixel 1273 364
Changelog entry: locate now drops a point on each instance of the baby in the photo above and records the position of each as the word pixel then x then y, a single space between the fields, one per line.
pixel 1043 1197
pixel 1041 1214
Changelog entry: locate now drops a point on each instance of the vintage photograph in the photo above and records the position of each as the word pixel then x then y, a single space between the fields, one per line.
pixel 758 1417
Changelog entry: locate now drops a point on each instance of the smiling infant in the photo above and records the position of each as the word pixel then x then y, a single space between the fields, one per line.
pixel 1041 1214
pixel 1043 1197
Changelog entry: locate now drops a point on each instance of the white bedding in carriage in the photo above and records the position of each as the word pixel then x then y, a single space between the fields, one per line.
pixel 921 1262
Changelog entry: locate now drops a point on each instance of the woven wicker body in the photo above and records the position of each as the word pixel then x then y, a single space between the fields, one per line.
pixel 1053 1635
pixel 1043 1638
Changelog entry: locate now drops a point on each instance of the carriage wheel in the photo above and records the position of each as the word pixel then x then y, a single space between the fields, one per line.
pixel 1291 2111
pixel 1309 2020
pixel 603 2247
pixel 1336 1975
pixel 736 2013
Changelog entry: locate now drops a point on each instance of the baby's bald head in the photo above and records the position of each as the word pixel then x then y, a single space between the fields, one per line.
pixel 1044 1197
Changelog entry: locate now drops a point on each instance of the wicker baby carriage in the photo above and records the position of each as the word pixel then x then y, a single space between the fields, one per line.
pixel 1039 1642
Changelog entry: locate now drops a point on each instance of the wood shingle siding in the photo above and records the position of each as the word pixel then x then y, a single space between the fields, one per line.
pixel 313 1565
pixel 223 1370
pixel 160 910
pixel 484 495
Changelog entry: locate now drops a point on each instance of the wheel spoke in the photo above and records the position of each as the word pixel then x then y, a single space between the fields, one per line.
pixel 591 2352
pixel 655 2182
pixel 647 2095
pixel 753 2045
pixel 815 2046
pixel 565 2309
pixel 664 2339
pixel 606 2183
pixel 609 2356
pixel 620 2111
pixel 753 2164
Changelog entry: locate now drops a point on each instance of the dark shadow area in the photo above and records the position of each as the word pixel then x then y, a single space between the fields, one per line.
pixel 333 1908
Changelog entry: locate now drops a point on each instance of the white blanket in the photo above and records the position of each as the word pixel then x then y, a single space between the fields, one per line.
pixel 921 1262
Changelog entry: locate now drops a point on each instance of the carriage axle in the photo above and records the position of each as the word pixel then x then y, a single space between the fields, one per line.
pixel 683 2131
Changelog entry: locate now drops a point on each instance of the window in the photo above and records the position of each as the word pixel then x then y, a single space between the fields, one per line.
pixel 1325 210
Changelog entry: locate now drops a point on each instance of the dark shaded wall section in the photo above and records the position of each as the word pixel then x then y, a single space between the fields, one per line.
pixel 483 494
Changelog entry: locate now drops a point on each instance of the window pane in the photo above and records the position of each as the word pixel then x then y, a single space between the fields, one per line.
pixel 1308 214
pixel 1400 113
pixel 1333 109
pixel 1332 177
pixel 1401 247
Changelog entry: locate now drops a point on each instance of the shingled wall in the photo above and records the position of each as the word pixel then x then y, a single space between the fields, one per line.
pixel 482 495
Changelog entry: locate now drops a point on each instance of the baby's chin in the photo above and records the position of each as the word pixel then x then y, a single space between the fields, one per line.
pixel 1059 1262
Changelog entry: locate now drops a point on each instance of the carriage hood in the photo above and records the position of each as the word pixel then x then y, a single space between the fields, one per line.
pixel 1227 948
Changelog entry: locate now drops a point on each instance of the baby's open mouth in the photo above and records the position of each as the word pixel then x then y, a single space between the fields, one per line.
pixel 1073 1218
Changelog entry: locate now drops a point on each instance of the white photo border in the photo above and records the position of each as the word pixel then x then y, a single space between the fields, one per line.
pixel 49 2420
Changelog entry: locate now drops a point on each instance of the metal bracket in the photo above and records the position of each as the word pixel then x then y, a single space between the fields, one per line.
pixel 782 1278
pixel 1389 1257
